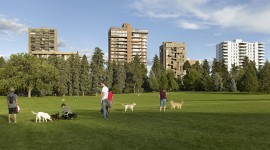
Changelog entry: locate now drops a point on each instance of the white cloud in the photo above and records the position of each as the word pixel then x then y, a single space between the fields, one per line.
pixel 12 25
pixel 190 25
pixel 251 16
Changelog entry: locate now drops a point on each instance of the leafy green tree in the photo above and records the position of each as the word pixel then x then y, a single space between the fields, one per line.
pixel 29 72
pixel 2 62
pixel 85 83
pixel 97 70
pixel 47 75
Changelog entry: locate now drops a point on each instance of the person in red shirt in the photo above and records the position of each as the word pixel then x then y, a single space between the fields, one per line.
pixel 110 98
pixel 163 99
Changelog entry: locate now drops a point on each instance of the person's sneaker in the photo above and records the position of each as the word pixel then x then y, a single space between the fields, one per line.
pixel 15 121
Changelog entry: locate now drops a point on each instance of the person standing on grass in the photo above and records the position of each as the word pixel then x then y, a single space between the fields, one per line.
pixel 104 100
pixel 12 103
pixel 163 98
pixel 110 99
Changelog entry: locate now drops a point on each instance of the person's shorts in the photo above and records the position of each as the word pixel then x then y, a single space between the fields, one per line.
pixel 12 110
pixel 163 102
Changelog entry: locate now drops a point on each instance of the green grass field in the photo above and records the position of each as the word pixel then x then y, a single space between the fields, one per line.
pixel 209 121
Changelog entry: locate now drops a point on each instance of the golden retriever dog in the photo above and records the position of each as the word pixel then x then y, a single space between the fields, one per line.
pixel 129 106
pixel 176 104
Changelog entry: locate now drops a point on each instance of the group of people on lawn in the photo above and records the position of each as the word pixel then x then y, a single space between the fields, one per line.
pixel 106 102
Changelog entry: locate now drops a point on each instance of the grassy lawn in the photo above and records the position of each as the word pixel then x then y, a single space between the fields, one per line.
pixel 210 121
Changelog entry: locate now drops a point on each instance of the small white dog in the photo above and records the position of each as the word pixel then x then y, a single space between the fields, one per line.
pixel 42 115
pixel 130 106
pixel 177 104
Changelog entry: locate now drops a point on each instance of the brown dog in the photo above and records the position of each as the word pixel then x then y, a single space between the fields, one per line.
pixel 55 116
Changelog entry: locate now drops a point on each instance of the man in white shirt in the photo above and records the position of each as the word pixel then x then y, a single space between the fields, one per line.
pixel 104 100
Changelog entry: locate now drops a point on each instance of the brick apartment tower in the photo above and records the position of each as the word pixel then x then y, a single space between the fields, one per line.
pixel 126 42
pixel 173 56
pixel 42 42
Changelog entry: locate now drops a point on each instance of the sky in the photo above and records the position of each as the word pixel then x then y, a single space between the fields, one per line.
pixel 83 25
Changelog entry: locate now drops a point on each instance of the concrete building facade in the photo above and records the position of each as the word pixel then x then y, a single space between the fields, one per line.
pixel 173 56
pixel 234 52
pixel 42 42
pixel 126 42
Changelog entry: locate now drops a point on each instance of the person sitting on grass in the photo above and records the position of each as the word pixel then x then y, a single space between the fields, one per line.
pixel 66 111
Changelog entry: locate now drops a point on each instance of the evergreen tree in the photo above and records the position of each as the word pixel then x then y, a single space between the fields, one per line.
pixel 224 75
pixel 156 67
pixel 139 74
pixel 232 86
pixel 216 67
pixel 265 78
pixel 119 80
pixel 187 66
pixel 206 79
pixel 74 64
pixel 249 81
pixel 97 70
pixel 85 84
pixel 153 81
pixel 171 81
pixel 163 84
pixel 216 80
pixel 155 74
pixel 109 75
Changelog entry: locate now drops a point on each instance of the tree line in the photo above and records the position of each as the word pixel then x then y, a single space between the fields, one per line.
pixel 31 75
pixel 200 77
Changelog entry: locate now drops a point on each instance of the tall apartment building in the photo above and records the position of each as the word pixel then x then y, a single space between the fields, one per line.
pixel 173 56
pixel 234 52
pixel 126 42
pixel 43 43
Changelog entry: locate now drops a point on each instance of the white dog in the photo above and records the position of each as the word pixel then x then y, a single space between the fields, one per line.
pixel 177 104
pixel 130 106
pixel 42 115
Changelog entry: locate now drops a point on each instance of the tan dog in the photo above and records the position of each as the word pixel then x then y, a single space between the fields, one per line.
pixel 177 104
pixel 130 106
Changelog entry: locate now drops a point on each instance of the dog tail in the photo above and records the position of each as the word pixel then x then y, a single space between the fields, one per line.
pixel 122 104
pixel 33 112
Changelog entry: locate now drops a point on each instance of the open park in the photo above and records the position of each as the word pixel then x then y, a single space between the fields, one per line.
pixel 210 121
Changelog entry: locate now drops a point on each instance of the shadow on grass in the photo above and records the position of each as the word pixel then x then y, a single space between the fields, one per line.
pixel 4 117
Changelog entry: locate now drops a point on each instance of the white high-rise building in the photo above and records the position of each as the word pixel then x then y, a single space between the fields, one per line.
pixel 234 52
